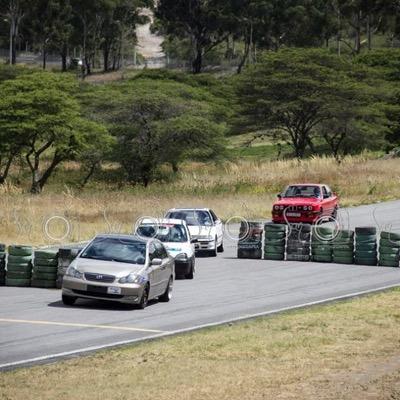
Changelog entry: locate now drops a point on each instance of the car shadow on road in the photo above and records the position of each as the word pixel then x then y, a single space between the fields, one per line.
pixel 98 305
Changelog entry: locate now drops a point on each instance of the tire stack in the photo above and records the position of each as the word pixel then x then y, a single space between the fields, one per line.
pixel 389 249
pixel 321 244
pixel 366 252
pixel 65 257
pixel 343 247
pixel 298 243
pixel 250 243
pixel 45 269
pixel 19 266
pixel 2 264
pixel 274 241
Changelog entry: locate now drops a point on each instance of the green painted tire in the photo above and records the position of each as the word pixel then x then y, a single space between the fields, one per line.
pixel 343 254
pixel 19 267
pixel 276 242
pixel 389 243
pixel 385 263
pixel 20 250
pixel 44 276
pixel 343 247
pixel 18 282
pixel 38 283
pixel 365 230
pixel 274 249
pixel 390 257
pixel 274 235
pixel 275 228
pixel 345 234
pixel 343 259
pixel 45 269
pixel 49 262
pixel 274 256
pixel 19 259
pixel 317 241
pixel 366 261
pixel 18 275
pixel 322 251
pixel 46 254
pixel 321 259
pixel 388 250
pixel 390 236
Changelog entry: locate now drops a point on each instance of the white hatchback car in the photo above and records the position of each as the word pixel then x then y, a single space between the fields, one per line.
pixel 204 226
pixel 175 236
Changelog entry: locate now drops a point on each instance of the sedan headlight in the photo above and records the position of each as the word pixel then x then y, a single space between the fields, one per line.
pixel 74 273
pixel 181 257
pixel 276 208
pixel 132 278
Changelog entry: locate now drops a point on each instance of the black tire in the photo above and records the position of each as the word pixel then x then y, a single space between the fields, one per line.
pixel 68 300
pixel 20 250
pixel 366 247
pixel 190 275
pixel 366 230
pixel 144 300
pixel 299 251
pixel 298 257
pixel 220 248
pixel 167 295
pixel 366 239
pixel 366 261
pixel 366 254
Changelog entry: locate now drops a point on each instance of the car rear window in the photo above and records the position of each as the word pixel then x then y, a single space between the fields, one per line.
pixel 302 191
pixel 115 249
pixel 167 233
pixel 192 217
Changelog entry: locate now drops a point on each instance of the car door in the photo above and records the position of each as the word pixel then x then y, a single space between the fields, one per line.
pixel 328 202
pixel 165 268
pixel 156 273
pixel 218 227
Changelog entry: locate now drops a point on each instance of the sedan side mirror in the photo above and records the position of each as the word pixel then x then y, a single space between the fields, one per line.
pixel 279 195
pixel 156 262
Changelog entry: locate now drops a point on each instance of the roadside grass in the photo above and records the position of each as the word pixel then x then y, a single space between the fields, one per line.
pixel 347 350
pixel 241 188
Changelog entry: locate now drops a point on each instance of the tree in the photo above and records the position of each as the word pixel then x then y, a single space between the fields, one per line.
pixel 41 111
pixel 203 22
pixel 292 92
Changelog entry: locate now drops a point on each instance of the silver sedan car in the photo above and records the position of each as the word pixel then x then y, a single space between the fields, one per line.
pixel 122 268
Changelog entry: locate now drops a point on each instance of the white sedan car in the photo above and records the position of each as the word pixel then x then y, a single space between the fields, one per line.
pixel 204 226
pixel 175 236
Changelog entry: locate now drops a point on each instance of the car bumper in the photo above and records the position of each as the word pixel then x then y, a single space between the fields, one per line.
pixel 296 220
pixel 130 294
pixel 202 245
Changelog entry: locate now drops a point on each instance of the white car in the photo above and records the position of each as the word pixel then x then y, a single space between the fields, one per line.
pixel 204 226
pixel 175 236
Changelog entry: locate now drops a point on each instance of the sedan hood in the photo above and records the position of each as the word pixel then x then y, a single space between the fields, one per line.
pixel 294 201
pixel 201 230
pixel 117 269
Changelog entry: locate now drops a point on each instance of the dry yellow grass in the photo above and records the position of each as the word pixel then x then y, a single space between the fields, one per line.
pixel 244 188
pixel 343 351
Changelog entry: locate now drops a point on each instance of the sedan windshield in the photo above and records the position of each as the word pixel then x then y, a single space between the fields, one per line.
pixel 115 249
pixel 167 233
pixel 192 217
pixel 302 191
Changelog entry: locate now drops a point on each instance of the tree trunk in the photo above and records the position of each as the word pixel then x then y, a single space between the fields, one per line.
pixel 44 56
pixel 369 32
pixel 64 55
pixel 90 173
pixel 106 55
pixel 197 64
pixel 4 175
pixel 245 53
pixel 357 44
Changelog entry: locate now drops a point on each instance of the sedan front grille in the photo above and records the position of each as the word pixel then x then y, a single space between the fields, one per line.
pixel 99 277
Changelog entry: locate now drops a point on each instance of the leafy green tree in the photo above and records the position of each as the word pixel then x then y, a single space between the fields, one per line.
pixel 40 110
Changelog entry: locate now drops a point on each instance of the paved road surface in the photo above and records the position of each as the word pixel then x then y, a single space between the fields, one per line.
pixel 36 327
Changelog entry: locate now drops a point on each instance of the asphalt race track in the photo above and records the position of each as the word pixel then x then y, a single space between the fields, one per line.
pixel 36 327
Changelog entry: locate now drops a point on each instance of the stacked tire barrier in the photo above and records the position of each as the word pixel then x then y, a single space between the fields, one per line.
pixel 322 244
pixel 250 243
pixel 274 241
pixel 2 264
pixel 65 257
pixel 343 247
pixel 366 252
pixel 19 266
pixel 45 269
pixel 298 243
pixel 389 249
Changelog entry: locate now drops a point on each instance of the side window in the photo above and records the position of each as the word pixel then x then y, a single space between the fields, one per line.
pixel 213 216
pixel 152 251
pixel 328 189
pixel 325 192
pixel 160 251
